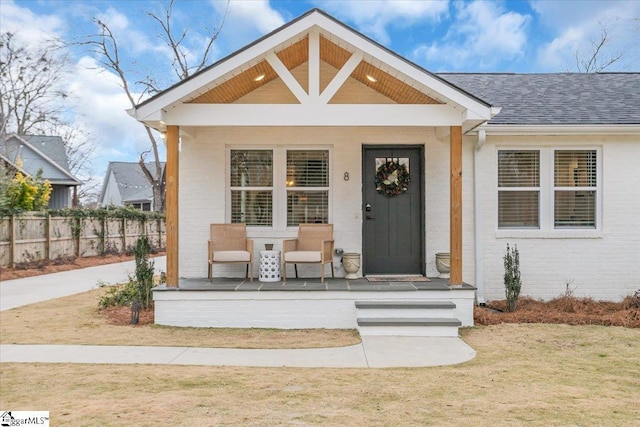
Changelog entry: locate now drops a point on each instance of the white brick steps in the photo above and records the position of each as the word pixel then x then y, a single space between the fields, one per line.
pixel 407 318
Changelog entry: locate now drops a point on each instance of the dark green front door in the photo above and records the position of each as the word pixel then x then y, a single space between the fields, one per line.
pixel 393 227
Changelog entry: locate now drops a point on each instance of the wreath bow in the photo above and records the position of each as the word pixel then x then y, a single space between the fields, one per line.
pixel 392 178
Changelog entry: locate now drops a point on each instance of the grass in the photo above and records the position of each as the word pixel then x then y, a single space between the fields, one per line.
pixel 523 374
pixel 534 375
pixel 76 320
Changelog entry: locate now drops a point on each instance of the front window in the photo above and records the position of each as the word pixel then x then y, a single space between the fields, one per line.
pixel 252 187
pixel 279 187
pixel 575 184
pixel 307 187
pixel 518 189
pixel 549 189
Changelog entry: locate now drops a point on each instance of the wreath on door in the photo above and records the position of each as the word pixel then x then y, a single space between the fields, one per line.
pixel 392 178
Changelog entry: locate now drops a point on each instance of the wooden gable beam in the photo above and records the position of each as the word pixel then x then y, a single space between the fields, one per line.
pixel 314 64
pixel 340 78
pixel 287 78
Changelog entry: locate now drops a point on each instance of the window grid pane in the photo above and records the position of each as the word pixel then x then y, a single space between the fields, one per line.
pixel 518 189
pixel 575 176
pixel 252 187
pixel 251 168
pixel 518 168
pixel 307 207
pixel 575 209
pixel 518 209
pixel 252 207
pixel 575 168
pixel 308 168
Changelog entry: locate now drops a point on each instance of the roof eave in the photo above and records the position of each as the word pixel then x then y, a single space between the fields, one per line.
pixel 560 129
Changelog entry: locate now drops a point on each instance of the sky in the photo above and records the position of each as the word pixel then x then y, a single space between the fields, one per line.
pixel 449 35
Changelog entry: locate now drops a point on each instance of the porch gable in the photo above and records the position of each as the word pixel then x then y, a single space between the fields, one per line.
pixel 313 61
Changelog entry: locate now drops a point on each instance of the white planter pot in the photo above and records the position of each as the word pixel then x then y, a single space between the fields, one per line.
pixel 351 264
pixel 443 264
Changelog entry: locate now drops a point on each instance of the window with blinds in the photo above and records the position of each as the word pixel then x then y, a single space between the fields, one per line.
pixel 252 187
pixel 307 187
pixel 518 189
pixel 575 186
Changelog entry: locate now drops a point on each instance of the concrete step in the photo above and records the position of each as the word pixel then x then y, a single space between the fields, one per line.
pixel 409 326
pixel 413 309
pixel 427 304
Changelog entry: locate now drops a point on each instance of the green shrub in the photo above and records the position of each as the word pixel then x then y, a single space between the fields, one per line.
pixel 144 272
pixel 512 281
pixel 139 286
pixel 119 295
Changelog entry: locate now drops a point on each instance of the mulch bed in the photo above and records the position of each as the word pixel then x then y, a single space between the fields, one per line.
pixel 562 310
pixel 566 310
pixel 121 316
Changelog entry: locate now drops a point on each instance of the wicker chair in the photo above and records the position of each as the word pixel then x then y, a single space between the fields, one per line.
pixel 229 244
pixel 314 245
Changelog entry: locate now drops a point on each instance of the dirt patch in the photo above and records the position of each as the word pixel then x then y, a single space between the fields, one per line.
pixel 121 316
pixel 39 267
pixel 563 310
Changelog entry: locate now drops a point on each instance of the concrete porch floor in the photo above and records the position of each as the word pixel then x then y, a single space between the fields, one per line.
pixel 311 284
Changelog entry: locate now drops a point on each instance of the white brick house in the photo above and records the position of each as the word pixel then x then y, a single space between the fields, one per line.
pixel 548 162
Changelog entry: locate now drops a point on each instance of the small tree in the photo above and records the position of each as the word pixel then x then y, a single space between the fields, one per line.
pixel 512 281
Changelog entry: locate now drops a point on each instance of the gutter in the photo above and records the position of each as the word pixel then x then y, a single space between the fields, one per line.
pixel 477 217
pixel 564 129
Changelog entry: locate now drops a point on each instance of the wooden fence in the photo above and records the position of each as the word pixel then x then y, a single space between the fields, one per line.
pixel 29 238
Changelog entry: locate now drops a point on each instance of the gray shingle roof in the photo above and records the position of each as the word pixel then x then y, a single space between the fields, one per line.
pixel 132 183
pixel 46 153
pixel 556 99
pixel 52 147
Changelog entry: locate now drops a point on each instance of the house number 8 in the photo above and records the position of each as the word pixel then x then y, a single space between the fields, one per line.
pixel 346 176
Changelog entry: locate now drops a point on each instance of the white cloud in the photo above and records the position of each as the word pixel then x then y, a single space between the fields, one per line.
pixel 115 20
pixel 481 35
pixel 374 17
pixel 575 28
pixel 557 54
pixel 30 28
pixel 245 21
pixel 101 105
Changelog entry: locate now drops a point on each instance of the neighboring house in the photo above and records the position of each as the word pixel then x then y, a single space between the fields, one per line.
pixel 30 153
pixel 126 184
pixel 294 128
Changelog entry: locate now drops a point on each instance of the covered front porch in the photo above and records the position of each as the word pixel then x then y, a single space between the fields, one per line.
pixel 303 120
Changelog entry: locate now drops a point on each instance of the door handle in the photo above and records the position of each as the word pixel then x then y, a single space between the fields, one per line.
pixel 369 217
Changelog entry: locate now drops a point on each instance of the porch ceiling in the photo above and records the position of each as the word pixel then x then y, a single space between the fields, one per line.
pixel 297 54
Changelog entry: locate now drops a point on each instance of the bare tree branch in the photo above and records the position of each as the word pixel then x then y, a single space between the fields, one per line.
pixel 105 46
pixel 31 85
pixel 596 61
pixel 175 42
pixel 33 100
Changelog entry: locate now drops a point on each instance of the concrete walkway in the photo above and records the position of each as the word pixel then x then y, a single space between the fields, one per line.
pixel 18 292
pixel 373 352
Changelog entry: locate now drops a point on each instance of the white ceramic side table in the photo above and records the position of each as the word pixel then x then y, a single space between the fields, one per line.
pixel 269 266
